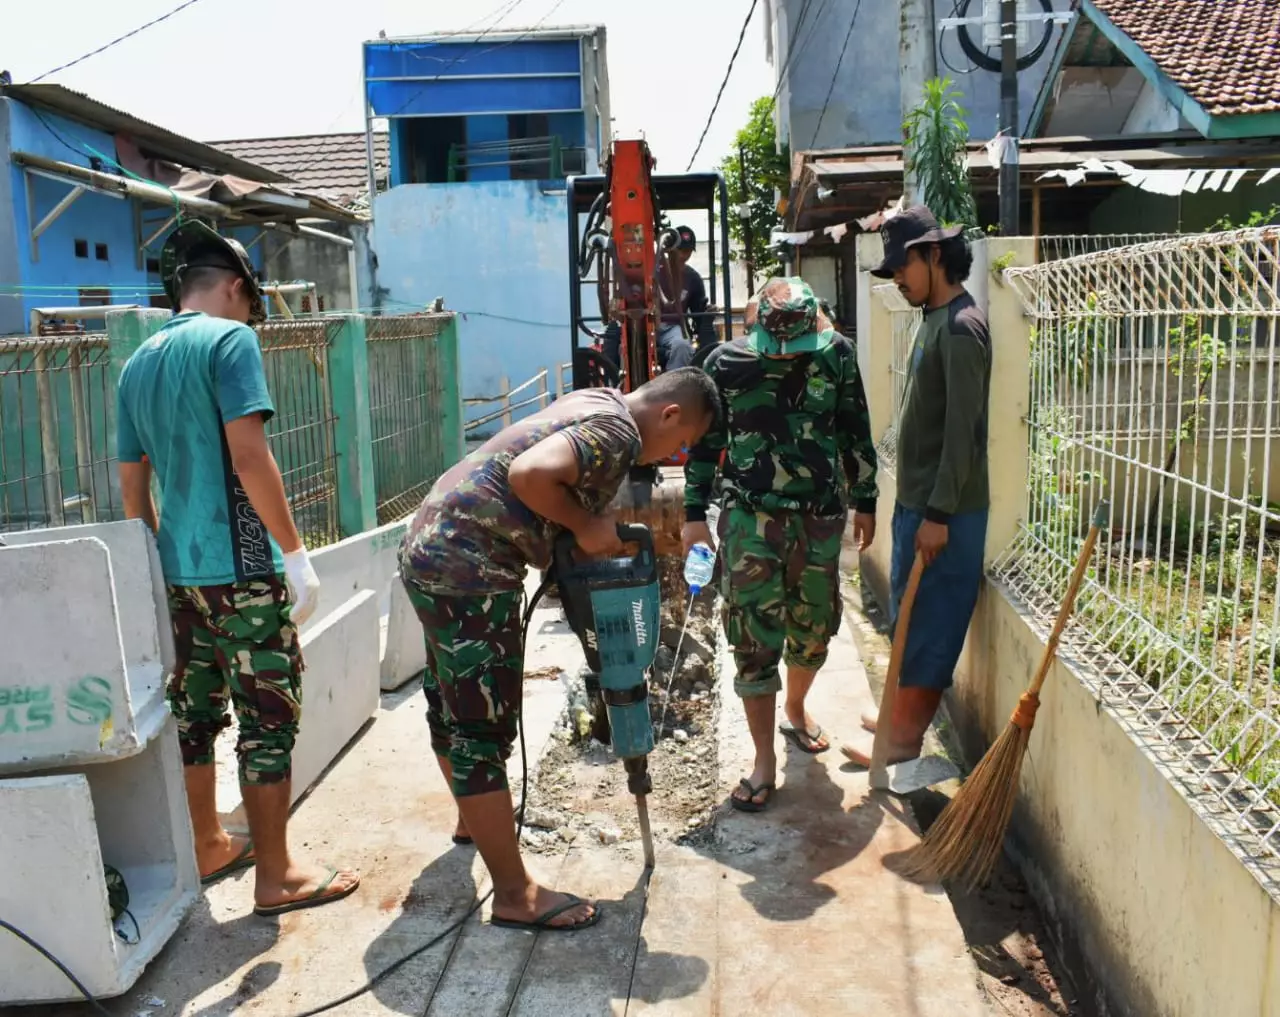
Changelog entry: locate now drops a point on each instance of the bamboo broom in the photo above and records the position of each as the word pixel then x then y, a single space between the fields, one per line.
pixel 965 841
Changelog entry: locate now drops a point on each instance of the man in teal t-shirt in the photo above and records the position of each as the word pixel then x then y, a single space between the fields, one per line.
pixel 191 410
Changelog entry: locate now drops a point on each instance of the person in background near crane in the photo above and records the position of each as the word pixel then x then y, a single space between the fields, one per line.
pixel 943 495
pixel 463 564
pixel 799 445
pixel 192 406
pixel 674 348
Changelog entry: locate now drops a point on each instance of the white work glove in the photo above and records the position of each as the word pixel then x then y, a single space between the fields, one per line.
pixel 304 585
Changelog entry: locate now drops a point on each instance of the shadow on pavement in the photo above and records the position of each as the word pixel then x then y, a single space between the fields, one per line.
pixel 805 834
pixel 443 892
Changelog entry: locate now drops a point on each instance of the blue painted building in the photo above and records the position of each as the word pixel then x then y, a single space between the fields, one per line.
pixel 483 131
pixel 87 194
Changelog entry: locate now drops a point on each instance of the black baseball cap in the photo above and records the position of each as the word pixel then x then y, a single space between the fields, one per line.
pixel 913 226
pixel 688 239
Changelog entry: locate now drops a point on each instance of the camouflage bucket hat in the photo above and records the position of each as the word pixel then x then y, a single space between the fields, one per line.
pixel 195 245
pixel 787 320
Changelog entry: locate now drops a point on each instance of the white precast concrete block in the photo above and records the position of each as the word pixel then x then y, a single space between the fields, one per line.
pixel 366 561
pixel 140 595
pixel 339 694
pixel 59 829
pixel 65 691
pixel 142 610
pixel 404 652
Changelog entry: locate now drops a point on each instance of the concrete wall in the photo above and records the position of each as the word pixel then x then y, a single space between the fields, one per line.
pixel 1132 875
pixel 328 265
pixel 498 248
pixel 864 106
pixel 94 218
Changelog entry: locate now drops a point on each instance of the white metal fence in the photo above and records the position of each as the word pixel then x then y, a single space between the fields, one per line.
pixel 1154 384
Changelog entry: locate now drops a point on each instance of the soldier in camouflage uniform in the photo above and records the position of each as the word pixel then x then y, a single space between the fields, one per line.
pixel 463 563
pixel 799 452
pixel 192 407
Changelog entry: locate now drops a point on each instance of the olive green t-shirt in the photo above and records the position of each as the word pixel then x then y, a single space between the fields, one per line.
pixel 942 433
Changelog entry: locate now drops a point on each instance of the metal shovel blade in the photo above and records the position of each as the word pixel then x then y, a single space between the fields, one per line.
pixel 913 775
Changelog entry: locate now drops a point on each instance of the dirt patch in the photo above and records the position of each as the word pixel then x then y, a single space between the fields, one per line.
pixel 581 790
pixel 1019 969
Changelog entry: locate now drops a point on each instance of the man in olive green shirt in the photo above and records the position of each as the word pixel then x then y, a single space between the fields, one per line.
pixel 943 493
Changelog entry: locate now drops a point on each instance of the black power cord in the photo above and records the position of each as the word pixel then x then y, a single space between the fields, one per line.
pixel 395 966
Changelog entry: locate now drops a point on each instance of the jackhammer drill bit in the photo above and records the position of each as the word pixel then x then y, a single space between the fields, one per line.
pixel 640 784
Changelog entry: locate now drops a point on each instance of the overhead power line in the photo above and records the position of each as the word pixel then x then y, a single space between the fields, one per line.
pixel 796 43
pixel 114 42
pixel 836 73
pixel 728 70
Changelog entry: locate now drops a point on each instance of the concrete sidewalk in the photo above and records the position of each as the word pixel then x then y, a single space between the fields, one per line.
pixel 789 912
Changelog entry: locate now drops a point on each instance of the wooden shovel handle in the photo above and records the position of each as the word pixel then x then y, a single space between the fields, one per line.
pixel 1100 520
pixel 880 746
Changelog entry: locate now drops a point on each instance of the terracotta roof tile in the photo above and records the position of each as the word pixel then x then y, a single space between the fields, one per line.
pixel 1225 54
pixel 333 164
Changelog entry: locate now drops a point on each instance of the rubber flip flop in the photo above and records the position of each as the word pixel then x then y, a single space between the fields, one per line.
pixel 799 738
pixel 312 900
pixel 244 860
pixel 746 804
pixel 462 841
pixel 543 922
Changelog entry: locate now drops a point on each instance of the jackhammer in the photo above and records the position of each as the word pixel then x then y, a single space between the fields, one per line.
pixel 613 606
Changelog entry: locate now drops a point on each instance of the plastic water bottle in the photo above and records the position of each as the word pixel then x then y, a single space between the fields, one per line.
pixel 698 567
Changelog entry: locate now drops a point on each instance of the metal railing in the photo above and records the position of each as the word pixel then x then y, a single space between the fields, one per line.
pixel 546 386
pixel 905 320
pixel 295 356
pixel 56 416
pixel 1154 383
pixel 406 391
pixel 1059 247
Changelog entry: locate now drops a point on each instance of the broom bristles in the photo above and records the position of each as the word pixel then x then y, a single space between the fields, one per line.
pixel 965 841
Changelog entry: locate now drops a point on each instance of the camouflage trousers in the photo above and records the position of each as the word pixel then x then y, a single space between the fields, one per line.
pixel 473 682
pixel 780 583
pixel 235 641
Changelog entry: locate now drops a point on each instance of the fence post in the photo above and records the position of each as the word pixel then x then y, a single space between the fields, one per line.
pixel 126 331
pixel 353 427
pixel 1007 437
pixel 875 338
pixel 506 401
pixel 453 437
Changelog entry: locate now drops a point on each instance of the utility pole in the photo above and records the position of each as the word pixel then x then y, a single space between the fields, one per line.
pixel 1010 201
pixel 917 63
pixel 746 221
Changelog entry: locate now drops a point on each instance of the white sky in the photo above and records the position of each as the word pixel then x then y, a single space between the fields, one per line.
pixel 259 68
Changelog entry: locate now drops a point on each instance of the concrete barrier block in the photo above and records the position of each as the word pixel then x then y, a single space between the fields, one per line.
pixel 141 603
pixel 66 695
pixel 60 828
pixel 366 561
pixel 339 694
pixel 404 652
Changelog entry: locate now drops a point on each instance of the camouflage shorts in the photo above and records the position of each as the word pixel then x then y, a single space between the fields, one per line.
pixel 781 588
pixel 235 641
pixel 473 682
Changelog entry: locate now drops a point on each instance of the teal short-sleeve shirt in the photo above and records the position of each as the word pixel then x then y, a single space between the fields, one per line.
pixel 176 393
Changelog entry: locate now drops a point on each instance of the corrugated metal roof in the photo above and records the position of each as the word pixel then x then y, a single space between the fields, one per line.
pixel 158 140
pixel 333 164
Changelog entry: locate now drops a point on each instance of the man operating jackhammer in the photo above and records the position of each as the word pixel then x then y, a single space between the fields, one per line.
pixel 192 407
pixel 798 436
pixel 463 563
pixel 943 495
